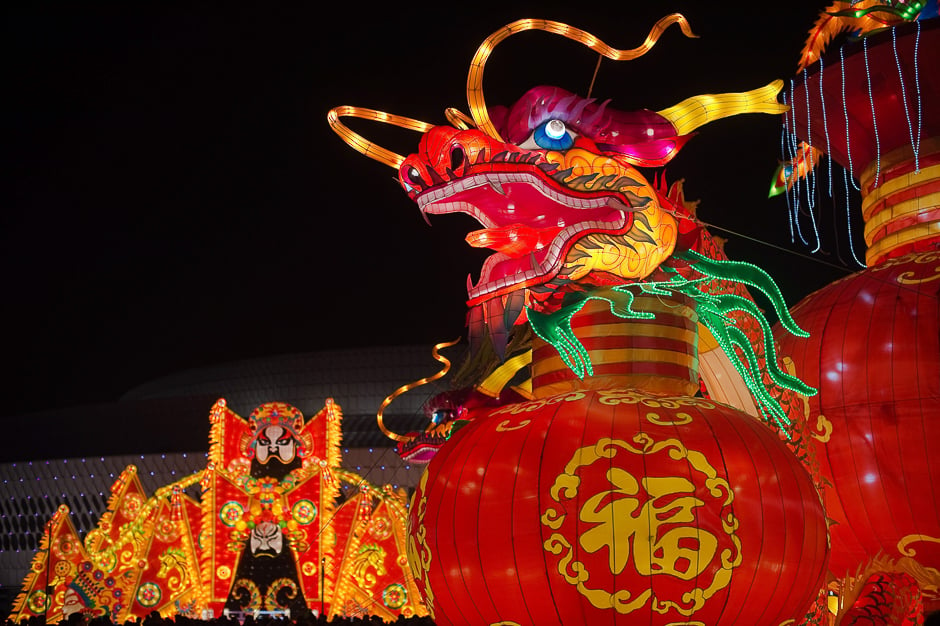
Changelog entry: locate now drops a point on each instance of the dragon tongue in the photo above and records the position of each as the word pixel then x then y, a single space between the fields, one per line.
pixel 514 241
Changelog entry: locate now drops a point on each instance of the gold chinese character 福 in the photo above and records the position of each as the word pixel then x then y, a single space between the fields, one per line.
pixel 684 551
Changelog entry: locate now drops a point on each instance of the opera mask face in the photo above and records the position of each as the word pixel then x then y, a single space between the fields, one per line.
pixel 72 603
pixel 275 441
pixel 266 539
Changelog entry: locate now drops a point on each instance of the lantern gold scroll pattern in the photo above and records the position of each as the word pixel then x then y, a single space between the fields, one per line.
pixel 874 355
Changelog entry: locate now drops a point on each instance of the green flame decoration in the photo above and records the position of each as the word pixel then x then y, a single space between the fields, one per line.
pixel 903 10
pixel 714 312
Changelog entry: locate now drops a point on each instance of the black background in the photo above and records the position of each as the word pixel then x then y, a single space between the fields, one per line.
pixel 173 197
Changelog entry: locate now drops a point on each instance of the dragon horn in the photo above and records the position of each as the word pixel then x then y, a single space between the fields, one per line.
pixel 363 145
pixel 700 110
pixel 475 78
pixel 493 384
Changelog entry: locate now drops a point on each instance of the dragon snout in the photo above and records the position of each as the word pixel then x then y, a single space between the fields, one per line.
pixel 446 154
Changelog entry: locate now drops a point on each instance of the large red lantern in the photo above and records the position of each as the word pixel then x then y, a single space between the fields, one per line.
pixel 621 498
pixel 616 505
pixel 874 355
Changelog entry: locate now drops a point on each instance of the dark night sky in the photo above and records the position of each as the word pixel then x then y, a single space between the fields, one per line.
pixel 173 197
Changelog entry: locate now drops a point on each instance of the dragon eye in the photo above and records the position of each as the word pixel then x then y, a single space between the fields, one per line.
pixel 554 129
pixel 457 158
pixel 414 176
pixel 550 135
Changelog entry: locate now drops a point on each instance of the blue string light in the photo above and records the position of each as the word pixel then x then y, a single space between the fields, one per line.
pixel 845 113
pixel 822 98
pixel 848 217
pixel 920 117
pixel 810 182
pixel 796 179
pixel 907 113
pixel 874 119
pixel 783 155
pixel 811 171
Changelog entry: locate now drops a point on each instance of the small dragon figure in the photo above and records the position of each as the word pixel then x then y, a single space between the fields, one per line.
pixel 554 182
pixel 859 18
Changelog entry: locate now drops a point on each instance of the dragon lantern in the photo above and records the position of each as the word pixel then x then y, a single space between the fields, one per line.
pixel 617 490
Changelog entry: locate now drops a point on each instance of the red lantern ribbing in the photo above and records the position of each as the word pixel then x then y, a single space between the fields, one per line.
pixel 874 355
pixel 621 498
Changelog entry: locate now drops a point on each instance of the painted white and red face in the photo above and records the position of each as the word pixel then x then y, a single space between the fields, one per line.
pixel 275 441
pixel 266 538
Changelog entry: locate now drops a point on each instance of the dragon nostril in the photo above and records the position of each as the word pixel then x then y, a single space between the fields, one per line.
pixel 457 158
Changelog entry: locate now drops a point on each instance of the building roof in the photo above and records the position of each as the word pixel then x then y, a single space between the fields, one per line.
pixel 171 414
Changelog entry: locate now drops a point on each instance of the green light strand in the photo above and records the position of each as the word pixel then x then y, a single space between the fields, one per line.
pixel 732 302
pixel 755 277
pixel 746 274
pixel 713 310
pixel 768 404
pixel 728 336
pixel 621 302
pixel 909 11
pixel 555 328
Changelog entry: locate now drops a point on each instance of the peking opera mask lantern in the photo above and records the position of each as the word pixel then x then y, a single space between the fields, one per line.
pixel 276 443
pixel 616 491
pixel 266 540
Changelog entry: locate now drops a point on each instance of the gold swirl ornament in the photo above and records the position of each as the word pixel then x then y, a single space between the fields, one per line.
pixel 652 236
pixel 667 546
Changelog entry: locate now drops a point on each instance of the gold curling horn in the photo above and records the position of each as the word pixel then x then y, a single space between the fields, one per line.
pixel 475 78
pixel 697 111
pixel 363 145
pixel 458 118
pixel 443 372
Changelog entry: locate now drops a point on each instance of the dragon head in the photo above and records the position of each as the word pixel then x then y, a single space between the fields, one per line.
pixel 553 181
pixel 559 200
